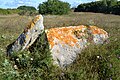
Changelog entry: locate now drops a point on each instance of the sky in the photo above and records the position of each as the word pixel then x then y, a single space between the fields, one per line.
pixel 15 3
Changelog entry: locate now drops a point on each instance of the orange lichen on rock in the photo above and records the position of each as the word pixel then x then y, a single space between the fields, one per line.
pixel 96 30
pixel 63 34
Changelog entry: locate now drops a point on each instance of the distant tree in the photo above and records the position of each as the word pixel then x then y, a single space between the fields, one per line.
pixel 54 7
pixel 28 8
pixel 109 2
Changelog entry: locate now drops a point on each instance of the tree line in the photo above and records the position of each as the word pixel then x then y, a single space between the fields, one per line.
pixel 57 7
pixel 103 6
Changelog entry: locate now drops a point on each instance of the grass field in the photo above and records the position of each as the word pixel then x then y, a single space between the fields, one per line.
pixel 87 66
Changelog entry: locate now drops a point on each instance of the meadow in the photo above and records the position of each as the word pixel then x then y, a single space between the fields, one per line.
pixel 97 62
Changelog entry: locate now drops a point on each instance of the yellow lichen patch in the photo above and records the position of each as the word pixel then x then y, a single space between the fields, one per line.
pixel 63 34
pixel 36 19
pixel 32 23
pixel 27 37
pixel 77 45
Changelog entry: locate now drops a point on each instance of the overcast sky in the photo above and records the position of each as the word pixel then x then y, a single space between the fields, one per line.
pixel 35 3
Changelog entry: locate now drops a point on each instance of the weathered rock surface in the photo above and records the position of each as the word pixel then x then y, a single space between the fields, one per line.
pixel 65 43
pixel 28 36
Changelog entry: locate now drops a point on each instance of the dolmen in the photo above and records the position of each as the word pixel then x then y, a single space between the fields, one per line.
pixel 65 43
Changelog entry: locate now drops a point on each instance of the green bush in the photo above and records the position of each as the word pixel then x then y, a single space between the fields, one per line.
pixel 54 7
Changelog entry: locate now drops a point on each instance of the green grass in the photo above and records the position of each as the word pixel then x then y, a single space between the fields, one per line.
pixel 97 62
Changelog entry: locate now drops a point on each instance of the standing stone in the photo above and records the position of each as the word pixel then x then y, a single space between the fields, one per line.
pixel 28 36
